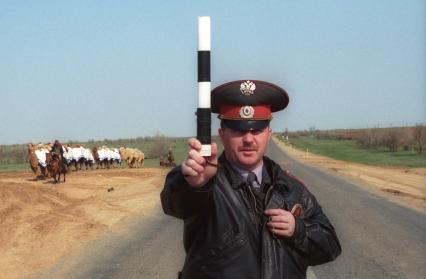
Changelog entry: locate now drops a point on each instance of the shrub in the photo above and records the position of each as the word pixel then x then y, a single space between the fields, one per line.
pixel 372 139
pixel 159 147
pixel 392 139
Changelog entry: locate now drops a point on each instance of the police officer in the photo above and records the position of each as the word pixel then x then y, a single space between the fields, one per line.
pixel 245 217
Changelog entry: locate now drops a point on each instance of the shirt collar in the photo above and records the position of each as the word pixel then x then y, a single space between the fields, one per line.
pixel 244 172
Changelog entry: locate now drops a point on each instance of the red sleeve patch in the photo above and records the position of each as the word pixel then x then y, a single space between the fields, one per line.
pixel 296 210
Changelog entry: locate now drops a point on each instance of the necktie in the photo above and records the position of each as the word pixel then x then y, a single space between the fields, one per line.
pixel 251 178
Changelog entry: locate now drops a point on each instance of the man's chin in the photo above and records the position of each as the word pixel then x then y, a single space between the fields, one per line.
pixel 248 161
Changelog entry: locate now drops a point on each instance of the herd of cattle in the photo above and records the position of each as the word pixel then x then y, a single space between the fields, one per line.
pixel 40 157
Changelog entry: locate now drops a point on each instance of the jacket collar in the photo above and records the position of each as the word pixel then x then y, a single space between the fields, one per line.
pixel 277 175
pixel 233 177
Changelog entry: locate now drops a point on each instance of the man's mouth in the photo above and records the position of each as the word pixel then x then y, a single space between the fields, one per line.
pixel 247 150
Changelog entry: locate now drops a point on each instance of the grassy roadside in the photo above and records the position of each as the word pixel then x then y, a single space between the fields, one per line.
pixel 347 150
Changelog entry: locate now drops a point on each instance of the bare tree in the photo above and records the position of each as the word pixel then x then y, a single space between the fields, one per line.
pixel 372 139
pixel 312 130
pixel 419 137
pixel 392 139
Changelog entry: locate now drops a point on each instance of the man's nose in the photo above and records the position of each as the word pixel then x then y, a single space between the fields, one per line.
pixel 248 137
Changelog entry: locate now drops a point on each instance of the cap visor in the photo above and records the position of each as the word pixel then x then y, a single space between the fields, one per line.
pixel 246 125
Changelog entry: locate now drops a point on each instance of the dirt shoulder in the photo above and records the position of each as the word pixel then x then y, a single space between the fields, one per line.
pixel 406 186
pixel 41 222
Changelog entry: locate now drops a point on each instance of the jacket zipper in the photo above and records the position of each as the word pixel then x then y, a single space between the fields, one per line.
pixel 256 221
pixel 254 198
pixel 266 196
pixel 266 201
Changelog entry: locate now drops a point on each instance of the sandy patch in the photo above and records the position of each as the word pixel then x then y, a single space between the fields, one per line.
pixel 403 185
pixel 41 222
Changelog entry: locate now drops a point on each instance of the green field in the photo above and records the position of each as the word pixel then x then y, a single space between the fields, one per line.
pixel 15 167
pixel 149 163
pixel 14 157
pixel 347 150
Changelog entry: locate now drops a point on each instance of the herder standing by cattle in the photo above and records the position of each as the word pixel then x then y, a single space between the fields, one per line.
pixel 244 216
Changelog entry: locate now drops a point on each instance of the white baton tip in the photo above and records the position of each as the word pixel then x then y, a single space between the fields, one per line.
pixel 206 150
pixel 204 33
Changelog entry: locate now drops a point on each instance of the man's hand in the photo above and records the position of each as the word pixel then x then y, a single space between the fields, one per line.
pixel 281 222
pixel 197 169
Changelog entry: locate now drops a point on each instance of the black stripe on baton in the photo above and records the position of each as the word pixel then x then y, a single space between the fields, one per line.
pixel 203 65
pixel 203 125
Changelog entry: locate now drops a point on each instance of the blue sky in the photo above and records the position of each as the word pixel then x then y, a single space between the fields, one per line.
pixel 79 70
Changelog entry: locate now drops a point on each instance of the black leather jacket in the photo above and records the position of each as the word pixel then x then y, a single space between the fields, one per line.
pixel 225 238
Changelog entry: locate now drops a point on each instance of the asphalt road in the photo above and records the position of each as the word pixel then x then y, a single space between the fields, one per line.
pixel 380 239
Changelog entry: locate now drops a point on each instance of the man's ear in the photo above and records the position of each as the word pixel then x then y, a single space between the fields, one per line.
pixel 220 131
pixel 269 133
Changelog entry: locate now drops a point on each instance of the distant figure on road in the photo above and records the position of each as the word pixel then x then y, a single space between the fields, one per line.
pixel 170 157
pixel 244 216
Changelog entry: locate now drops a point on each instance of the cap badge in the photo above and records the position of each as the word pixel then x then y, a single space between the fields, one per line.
pixel 247 88
pixel 247 112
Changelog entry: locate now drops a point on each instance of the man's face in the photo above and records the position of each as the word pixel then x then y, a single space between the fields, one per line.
pixel 245 148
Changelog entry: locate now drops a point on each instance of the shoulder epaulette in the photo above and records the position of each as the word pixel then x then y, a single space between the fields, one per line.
pixel 288 174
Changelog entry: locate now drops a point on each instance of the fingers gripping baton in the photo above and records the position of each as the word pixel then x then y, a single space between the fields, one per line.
pixel 204 86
